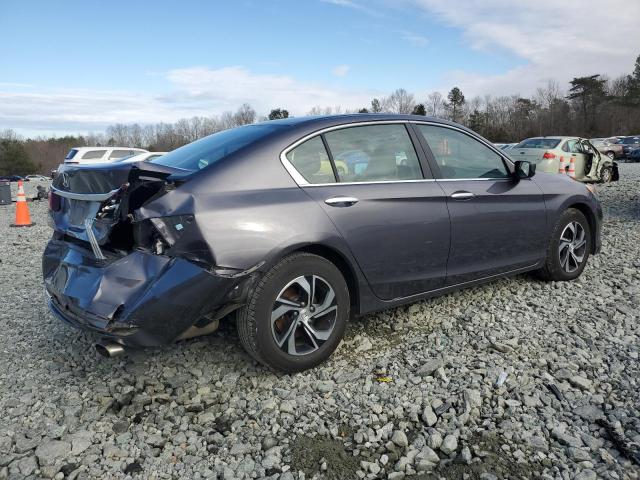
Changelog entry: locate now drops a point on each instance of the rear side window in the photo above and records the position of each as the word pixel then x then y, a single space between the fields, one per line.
pixel 460 156
pixel 207 151
pixel 374 153
pixel 93 154
pixel 311 161
pixel 71 154
pixel 539 143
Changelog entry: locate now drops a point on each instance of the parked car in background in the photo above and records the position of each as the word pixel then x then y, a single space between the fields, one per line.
pixel 608 147
pixel 12 178
pixel 249 220
pixel 508 146
pixel 142 157
pixel 555 155
pixel 40 178
pixel 629 144
pixel 91 155
pixel 634 155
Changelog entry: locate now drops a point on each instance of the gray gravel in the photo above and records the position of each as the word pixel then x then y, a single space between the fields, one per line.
pixel 515 379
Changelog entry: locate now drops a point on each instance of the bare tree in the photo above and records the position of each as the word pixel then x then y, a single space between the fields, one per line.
pixel 245 115
pixel 435 105
pixel 400 101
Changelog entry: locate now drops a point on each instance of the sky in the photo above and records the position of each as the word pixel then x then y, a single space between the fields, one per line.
pixel 77 66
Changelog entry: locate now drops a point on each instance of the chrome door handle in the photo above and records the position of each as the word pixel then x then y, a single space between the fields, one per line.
pixel 462 195
pixel 341 201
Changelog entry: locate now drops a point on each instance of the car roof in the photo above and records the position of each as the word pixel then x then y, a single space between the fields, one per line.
pixel 357 117
pixel 107 148
pixel 553 137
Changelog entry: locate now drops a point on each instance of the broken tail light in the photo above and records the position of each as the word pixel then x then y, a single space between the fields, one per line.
pixel 54 202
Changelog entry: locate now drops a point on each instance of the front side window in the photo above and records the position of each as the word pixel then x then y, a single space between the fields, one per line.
pixel 460 156
pixel 374 153
pixel 311 161
pixel 93 154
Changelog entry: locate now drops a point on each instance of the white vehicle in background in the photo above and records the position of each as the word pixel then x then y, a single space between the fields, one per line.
pixel 505 146
pixel 37 178
pixel 143 157
pixel 574 156
pixel 92 155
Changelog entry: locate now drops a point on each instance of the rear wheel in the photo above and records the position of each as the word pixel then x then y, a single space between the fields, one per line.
pixel 611 155
pixel 569 247
pixel 296 315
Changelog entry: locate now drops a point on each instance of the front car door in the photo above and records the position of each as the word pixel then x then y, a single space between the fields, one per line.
pixel 498 223
pixel 368 179
pixel 579 157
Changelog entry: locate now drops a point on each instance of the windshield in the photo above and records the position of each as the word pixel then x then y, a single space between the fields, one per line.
pixel 630 140
pixel 207 151
pixel 539 143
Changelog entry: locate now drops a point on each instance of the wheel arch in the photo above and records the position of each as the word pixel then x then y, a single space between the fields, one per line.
pixel 342 263
pixel 591 218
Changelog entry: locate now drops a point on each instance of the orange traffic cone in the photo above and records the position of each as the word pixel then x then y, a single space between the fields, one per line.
pixel 561 166
pixel 572 167
pixel 23 219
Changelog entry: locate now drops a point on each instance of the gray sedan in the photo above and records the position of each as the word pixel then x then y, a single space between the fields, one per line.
pixel 296 225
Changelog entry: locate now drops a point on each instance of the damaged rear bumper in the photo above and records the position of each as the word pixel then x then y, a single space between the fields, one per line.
pixel 139 299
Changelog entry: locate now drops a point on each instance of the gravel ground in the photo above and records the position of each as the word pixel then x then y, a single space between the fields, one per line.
pixel 515 379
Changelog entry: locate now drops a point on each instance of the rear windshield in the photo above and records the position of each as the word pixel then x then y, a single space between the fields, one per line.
pixel 539 143
pixel 207 151
pixel 630 140
pixel 71 154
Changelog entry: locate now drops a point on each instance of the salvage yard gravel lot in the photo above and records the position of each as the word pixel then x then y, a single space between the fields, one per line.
pixel 416 392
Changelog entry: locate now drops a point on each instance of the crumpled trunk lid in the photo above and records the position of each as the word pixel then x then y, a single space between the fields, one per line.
pixel 92 203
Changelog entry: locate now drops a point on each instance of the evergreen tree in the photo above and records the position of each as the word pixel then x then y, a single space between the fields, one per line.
pixel 277 113
pixel 419 110
pixel 14 159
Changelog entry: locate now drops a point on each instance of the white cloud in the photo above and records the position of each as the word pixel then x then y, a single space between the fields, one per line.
pixel 415 39
pixel 354 6
pixel 341 70
pixel 194 91
pixel 556 39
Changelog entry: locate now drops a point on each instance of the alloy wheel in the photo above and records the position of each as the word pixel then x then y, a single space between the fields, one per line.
pixel 304 315
pixel 572 247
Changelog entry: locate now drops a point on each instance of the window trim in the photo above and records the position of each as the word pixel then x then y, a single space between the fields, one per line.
pixel 509 163
pixel 302 182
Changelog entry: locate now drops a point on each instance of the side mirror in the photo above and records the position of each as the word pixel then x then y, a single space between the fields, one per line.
pixel 524 169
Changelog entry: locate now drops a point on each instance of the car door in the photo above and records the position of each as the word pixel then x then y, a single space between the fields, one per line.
pixel 498 223
pixel 579 157
pixel 394 220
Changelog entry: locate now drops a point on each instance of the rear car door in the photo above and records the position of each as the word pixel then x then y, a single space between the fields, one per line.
pixel 368 179
pixel 498 223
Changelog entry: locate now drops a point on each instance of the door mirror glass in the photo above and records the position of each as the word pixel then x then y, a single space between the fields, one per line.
pixel 525 169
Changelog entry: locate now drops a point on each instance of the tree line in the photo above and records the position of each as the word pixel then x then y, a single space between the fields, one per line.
pixel 591 106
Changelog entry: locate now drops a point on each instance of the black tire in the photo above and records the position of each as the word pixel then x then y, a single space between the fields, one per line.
pixel 611 155
pixel 606 175
pixel 553 268
pixel 254 319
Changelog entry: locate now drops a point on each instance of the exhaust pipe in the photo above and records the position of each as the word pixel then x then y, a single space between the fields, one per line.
pixel 109 349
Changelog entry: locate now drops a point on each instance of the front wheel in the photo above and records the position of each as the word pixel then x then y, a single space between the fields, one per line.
pixel 611 155
pixel 297 314
pixel 569 247
pixel 606 175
